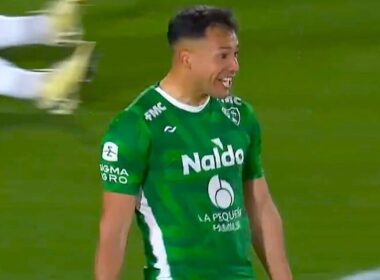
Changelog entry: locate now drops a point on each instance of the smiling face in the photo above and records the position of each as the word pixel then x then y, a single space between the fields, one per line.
pixel 213 61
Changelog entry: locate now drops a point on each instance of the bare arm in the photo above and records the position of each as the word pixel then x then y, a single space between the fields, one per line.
pixel 117 215
pixel 266 228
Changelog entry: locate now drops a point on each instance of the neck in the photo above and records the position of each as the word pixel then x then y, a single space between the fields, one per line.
pixel 182 89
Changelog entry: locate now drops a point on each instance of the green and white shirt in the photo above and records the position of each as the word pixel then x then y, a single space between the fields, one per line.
pixel 187 165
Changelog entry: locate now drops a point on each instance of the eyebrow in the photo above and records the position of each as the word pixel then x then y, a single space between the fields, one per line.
pixel 228 48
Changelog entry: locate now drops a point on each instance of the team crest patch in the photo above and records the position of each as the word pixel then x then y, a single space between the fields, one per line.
pixel 233 114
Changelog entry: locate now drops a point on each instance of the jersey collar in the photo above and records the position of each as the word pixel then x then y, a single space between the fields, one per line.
pixel 180 105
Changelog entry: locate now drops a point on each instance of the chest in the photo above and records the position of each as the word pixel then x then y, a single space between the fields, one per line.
pixel 189 147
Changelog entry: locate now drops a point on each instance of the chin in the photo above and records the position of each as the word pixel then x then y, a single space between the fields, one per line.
pixel 220 93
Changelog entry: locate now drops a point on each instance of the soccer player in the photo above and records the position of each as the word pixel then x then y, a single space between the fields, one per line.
pixel 185 156
pixel 55 89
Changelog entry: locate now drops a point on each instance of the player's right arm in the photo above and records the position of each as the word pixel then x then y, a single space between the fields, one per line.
pixel 114 226
pixel 123 162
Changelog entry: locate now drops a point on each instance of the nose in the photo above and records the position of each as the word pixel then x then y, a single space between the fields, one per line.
pixel 234 65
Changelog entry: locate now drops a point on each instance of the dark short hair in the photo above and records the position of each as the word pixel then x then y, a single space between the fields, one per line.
pixel 193 22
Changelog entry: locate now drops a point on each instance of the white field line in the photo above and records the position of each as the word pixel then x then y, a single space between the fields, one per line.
pixel 364 275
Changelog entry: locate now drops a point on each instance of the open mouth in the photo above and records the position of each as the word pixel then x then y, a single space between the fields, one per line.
pixel 227 82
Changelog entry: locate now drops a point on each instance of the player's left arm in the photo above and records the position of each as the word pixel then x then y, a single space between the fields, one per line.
pixel 266 229
pixel 264 218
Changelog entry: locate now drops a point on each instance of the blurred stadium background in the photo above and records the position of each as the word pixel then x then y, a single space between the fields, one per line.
pixel 311 69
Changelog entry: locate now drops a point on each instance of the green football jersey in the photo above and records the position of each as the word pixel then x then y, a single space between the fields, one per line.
pixel 187 166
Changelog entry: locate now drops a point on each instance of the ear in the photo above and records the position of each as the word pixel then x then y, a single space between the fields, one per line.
pixel 184 56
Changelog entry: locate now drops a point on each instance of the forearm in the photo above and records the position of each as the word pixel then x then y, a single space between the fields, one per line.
pixel 109 258
pixel 268 242
pixel 114 226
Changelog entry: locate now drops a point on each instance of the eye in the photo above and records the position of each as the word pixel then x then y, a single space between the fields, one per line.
pixel 236 54
pixel 223 55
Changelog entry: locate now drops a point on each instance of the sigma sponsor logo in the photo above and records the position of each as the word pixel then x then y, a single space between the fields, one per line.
pixel 114 174
pixel 154 112
pixel 233 100
pixel 219 158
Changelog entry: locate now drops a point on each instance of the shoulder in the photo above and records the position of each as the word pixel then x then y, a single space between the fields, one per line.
pixel 144 108
pixel 137 114
pixel 147 106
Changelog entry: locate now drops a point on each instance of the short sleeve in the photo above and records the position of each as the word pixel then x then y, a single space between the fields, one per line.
pixel 253 168
pixel 124 154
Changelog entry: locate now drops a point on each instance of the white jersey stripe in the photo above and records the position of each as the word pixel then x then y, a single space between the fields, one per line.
pixel 156 240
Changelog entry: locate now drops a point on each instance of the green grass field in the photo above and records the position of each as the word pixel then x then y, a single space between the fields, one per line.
pixel 311 70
